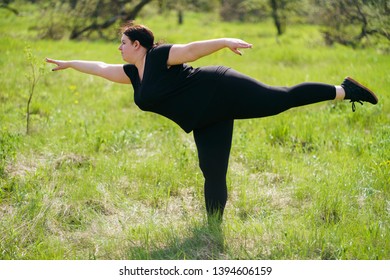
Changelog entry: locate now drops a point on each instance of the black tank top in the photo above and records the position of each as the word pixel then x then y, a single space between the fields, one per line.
pixel 180 92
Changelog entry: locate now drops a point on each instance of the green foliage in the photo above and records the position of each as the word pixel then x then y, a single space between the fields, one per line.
pixel 36 69
pixel 102 180
pixel 244 10
pixel 358 21
pixel 80 19
pixel 8 146
pixel 188 5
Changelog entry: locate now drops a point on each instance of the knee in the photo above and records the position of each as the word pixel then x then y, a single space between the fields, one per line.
pixel 213 171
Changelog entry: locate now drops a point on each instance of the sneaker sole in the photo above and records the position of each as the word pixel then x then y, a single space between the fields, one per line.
pixel 360 85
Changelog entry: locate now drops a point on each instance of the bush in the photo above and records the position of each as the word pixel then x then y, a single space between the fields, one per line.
pixel 350 22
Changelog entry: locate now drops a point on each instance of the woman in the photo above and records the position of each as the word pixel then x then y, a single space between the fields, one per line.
pixel 205 100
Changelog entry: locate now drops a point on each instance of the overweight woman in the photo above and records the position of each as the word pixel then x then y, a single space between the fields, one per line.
pixel 205 100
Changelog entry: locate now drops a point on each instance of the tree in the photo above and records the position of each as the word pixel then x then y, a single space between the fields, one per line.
pixel 5 5
pixel 244 10
pixel 114 11
pixel 257 10
pixel 349 22
pixel 84 18
pixel 179 6
pixel 279 22
pixel 37 70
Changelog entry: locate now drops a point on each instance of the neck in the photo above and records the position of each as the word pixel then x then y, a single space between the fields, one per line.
pixel 140 64
pixel 140 61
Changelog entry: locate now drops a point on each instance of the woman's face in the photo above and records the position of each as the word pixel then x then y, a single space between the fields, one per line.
pixel 127 49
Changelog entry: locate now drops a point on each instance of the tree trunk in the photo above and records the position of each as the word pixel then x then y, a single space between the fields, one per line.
pixel 180 17
pixel 276 16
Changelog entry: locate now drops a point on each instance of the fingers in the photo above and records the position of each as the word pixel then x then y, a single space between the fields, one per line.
pixel 49 60
pixel 237 44
pixel 242 44
pixel 245 45
pixel 237 51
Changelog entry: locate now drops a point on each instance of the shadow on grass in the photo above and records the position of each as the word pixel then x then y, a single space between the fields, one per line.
pixel 203 243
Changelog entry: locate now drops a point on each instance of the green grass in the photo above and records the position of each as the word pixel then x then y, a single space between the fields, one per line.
pixel 99 179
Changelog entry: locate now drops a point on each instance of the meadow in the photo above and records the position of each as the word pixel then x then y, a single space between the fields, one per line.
pixel 98 179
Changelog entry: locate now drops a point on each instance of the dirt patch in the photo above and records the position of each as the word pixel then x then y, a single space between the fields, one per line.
pixel 73 160
pixel 23 166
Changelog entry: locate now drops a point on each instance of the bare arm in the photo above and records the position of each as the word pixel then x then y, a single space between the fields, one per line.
pixel 183 53
pixel 112 72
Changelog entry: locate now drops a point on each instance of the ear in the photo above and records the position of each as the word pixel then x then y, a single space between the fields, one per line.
pixel 136 44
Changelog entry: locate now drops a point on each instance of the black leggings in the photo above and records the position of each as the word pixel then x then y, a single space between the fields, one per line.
pixel 241 97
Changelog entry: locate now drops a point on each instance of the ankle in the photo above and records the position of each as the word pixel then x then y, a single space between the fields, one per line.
pixel 340 93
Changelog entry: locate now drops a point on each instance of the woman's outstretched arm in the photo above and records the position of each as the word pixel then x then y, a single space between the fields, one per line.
pixel 112 72
pixel 182 53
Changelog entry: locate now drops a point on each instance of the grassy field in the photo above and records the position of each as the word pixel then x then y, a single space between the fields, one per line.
pixel 99 179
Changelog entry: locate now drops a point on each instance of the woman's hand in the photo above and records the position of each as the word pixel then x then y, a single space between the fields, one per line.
pixel 61 64
pixel 235 44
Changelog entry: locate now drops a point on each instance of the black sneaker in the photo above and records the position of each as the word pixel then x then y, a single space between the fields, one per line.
pixel 357 93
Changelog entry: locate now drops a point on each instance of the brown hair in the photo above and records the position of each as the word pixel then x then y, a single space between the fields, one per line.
pixel 140 33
